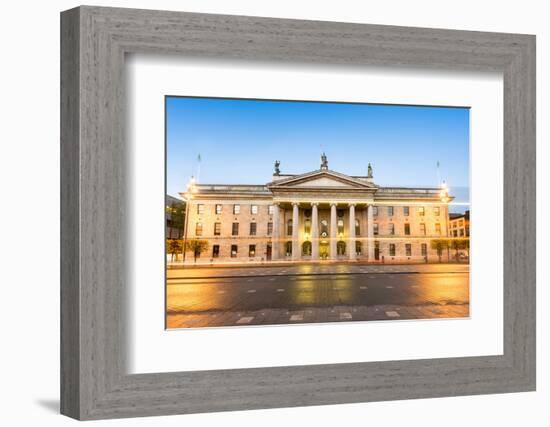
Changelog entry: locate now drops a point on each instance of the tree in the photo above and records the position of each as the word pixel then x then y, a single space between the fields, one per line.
pixel 196 246
pixel 177 217
pixel 173 247
pixel 459 244
pixel 438 245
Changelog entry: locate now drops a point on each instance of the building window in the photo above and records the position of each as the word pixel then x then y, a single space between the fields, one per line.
pixel 358 247
pixel 341 247
pixel 405 210
pixel 217 228
pixel 215 251
pixel 340 213
pixel 198 229
pixel 307 213
pixel 408 249
pixel 306 248
pixel 307 226
pixel 235 229
pixel 392 249
pixel 254 209
pixel 438 229
pixel 437 211
pixel 461 232
pixel 424 249
pixel 233 251
pixel 251 251
pixel 269 228
pixel 375 229
pixel 288 248
pixel 270 209
pixel 236 209
pixel 407 229
pixel 357 228
pixel 375 210
pixel 422 228
pixel 252 228
pixel 340 224
pixel 200 209
pixel 218 209
pixel 390 210
pixel 421 211
pixel 324 228
pixel 289 227
pixel 391 229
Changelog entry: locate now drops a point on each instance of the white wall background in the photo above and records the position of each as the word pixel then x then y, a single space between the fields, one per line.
pixel 29 212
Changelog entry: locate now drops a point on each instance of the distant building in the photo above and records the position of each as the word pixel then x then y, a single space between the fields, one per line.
pixel 322 214
pixel 459 224
pixel 174 217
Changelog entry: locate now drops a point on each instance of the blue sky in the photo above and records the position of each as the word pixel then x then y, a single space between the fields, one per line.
pixel 238 141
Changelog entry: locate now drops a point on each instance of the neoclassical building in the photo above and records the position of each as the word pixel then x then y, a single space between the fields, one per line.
pixel 318 215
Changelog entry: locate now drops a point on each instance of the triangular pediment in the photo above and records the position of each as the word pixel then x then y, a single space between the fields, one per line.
pixel 322 179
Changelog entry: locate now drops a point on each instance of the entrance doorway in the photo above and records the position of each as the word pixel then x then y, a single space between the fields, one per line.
pixel 268 252
pixel 323 250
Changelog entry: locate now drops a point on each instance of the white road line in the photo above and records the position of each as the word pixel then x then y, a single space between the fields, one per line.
pixel 363 287
pixel 251 291
pixel 221 292
pixel 392 314
pixel 345 316
pixel 245 319
pixel 389 287
pixel 280 290
pixel 250 280
pixel 296 317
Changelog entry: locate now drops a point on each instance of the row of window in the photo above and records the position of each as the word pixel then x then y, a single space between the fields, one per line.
pixel 340 249
pixel 323 228
pixel 254 209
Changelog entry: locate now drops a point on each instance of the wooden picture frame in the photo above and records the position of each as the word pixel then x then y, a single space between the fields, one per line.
pixel 94 382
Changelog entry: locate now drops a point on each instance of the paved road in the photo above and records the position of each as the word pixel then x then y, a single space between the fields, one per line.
pixel 244 296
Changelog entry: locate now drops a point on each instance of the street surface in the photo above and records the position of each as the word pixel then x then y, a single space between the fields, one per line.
pixel 307 293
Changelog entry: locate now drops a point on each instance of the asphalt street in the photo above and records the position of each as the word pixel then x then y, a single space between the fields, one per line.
pixel 209 297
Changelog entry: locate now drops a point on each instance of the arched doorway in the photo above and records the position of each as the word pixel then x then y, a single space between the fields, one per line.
pixel 323 249
pixel 341 247
pixel 306 248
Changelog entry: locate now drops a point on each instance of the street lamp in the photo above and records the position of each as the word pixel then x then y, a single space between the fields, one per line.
pixel 191 188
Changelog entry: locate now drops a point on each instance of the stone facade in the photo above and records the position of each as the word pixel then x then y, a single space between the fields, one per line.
pixel 319 215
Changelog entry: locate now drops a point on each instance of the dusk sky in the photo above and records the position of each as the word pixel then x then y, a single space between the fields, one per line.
pixel 239 140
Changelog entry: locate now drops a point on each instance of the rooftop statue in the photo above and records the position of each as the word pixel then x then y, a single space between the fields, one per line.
pixel 324 161
pixel 277 170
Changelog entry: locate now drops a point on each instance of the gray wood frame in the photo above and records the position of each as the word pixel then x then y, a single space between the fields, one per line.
pixel 94 41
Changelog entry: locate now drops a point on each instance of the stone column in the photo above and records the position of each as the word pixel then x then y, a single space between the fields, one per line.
pixel 333 230
pixel 370 234
pixel 314 231
pixel 275 233
pixel 351 244
pixel 295 231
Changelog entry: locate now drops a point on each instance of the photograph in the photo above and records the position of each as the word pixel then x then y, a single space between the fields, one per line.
pixel 282 212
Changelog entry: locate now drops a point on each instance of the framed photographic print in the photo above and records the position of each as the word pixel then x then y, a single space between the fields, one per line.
pixel 262 213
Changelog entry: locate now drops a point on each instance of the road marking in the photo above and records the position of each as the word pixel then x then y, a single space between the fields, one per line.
pixel 363 287
pixel 280 290
pixel 345 316
pixel 251 291
pixel 272 279
pixel 336 289
pixel 392 314
pixel 372 277
pixel 221 292
pixel 245 319
pixel 296 317
pixel 250 280
pixel 389 287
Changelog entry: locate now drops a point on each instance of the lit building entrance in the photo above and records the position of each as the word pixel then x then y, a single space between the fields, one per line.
pixel 323 250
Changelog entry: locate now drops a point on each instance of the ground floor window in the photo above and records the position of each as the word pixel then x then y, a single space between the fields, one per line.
pixel 251 251
pixel 233 251
pixel 306 248
pixel 424 249
pixel 392 249
pixel 288 248
pixel 341 247
pixel 358 248
pixel 408 250
pixel 215 251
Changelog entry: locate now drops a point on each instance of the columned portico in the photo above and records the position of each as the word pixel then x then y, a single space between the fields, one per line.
pixel 351 244
pixel 275 233
pixel 295 231
pixel 333 229
pixel 370 234
pixel 314 231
